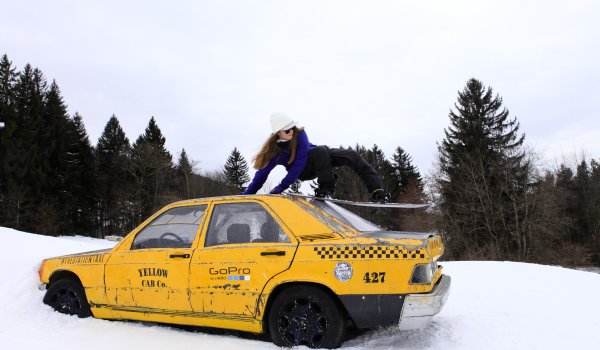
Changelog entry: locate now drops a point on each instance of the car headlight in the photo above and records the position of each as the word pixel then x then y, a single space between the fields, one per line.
pixel 41 269
pixel 423 273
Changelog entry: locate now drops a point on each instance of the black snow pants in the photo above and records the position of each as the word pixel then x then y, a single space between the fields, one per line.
pixel 321 160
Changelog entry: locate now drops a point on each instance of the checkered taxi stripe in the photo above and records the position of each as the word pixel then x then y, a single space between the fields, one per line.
pixel 371 252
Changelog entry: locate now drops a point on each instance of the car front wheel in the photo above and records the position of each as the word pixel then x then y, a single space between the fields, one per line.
pixel 305 315
pixel 68 297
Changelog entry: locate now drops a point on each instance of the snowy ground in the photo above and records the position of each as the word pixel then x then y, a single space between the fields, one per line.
pixel 493 305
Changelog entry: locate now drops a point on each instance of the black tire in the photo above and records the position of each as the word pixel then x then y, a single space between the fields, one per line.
pixel 305 315
pixel 67 296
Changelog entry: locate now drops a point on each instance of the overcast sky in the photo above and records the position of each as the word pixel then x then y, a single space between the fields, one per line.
pixel 367 72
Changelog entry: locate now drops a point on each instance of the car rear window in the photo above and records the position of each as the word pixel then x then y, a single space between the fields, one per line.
pixel 344 215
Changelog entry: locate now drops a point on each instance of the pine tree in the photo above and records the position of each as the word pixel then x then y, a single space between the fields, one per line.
pixel 583 202
pixel 236 170
pixel 565 186
pixel 80 178
pixel 594 211
pixel 380 164
pixel 362 150
pixel 12 169
pixel 483 177
pixel 185 172
pixel 30 90
pixel 403 172
pixel 57 201
pixel 407 187
pixel 383 167
pixel 55 117
pixel 112 153
pixel 151 166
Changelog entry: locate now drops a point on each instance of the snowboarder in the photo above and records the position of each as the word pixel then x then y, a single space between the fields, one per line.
pixel 288 145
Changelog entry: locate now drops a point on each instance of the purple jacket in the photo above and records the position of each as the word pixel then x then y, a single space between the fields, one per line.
pixel 293 170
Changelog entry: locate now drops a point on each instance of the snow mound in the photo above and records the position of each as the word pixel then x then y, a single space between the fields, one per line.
pixel 493 305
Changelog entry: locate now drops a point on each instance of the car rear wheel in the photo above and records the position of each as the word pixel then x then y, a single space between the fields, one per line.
pixel 305 315
pixel 68 297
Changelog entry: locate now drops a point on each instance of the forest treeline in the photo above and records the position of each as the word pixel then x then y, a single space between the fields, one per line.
pixel 492 197
pixel 54 181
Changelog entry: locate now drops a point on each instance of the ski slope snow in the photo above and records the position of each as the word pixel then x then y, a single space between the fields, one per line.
pixel 492 305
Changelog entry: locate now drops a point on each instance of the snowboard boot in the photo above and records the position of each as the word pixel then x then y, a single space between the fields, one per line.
pixel 379 196
pixel 325 191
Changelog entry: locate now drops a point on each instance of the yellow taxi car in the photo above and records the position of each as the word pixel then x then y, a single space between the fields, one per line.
pixel 301 269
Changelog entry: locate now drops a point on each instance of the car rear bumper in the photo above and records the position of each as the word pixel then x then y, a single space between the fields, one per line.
pixel 409 311
pixel 418 309
pixel 373 310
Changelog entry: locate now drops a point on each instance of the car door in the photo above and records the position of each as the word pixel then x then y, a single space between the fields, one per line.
pixel 152 275
pixel 244 246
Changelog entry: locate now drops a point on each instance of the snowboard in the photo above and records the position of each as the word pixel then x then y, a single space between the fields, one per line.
pixel 365 204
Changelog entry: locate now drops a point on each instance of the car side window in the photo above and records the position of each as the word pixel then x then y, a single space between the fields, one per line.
pixel 232 223
pixel 175 228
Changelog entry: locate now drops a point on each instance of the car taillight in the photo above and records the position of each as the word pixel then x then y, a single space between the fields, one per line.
pixel 423 273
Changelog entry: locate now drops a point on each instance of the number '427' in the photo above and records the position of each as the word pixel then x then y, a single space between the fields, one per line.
pixel 374 277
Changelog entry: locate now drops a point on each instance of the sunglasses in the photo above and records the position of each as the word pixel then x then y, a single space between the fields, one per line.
pixel 288 130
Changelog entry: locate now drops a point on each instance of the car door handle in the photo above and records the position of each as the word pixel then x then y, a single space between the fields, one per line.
pixel 277 253
pixel 185 256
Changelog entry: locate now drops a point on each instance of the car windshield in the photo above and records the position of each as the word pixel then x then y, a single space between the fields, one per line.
pixel 345 216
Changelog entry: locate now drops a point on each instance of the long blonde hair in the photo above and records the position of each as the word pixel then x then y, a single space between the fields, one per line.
pixel 270 149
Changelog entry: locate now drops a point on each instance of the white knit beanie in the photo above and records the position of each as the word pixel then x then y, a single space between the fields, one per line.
pixel 280 121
